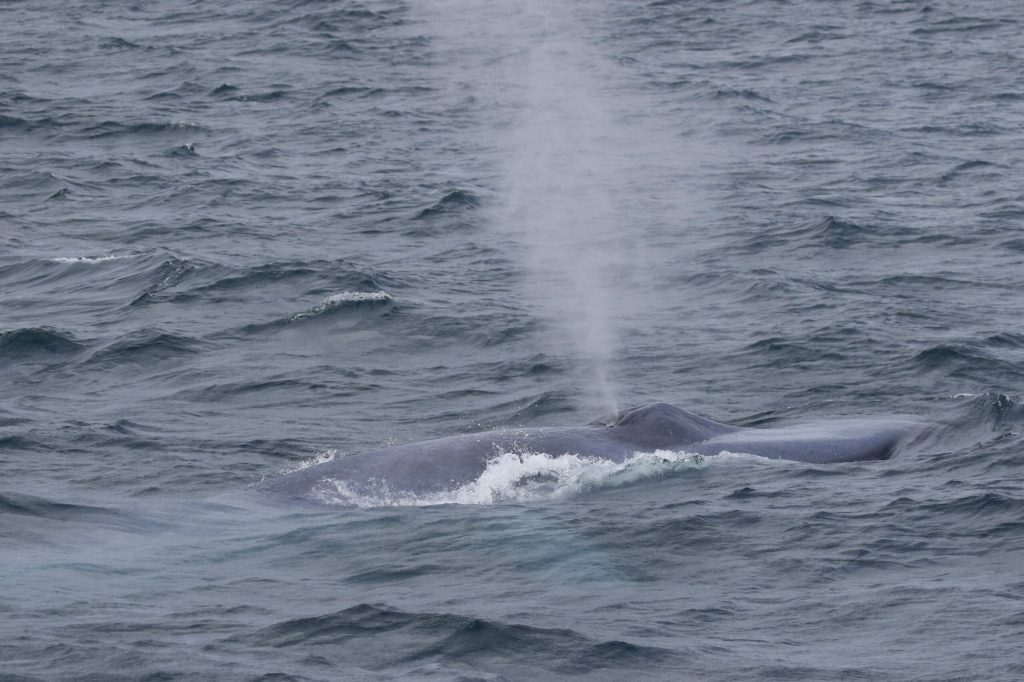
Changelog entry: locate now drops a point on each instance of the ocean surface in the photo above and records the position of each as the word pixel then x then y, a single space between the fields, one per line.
pixel 237 239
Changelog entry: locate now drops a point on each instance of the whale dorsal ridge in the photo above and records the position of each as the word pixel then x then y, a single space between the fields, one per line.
pixel 665 423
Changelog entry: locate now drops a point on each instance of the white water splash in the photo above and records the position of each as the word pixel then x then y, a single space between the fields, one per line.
pixel 318 458
pixel 342 298
pixel 520 477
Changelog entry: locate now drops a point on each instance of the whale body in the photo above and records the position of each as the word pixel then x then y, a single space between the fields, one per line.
pixel 447 463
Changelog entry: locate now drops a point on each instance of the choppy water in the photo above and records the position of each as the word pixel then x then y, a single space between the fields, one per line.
pixel 237 239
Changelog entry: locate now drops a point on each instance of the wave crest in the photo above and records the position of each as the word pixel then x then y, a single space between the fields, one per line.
pixel 343 298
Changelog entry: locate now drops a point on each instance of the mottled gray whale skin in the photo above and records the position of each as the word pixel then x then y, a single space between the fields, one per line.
pixel 448 463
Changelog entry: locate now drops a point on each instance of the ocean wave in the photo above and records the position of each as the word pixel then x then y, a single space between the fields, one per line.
pixel 341 299
pixel 456 638
pixel 258 275
pixel 828 231
pixel 28 505
pixel 333 304
pixel 15 123
pixel 963 25
pixel 967 167
pixel 453 201
pixel 227 392
pixel 1005 340
pixel 989 421
pixel 32 180
pixel 987 503
pixel 968 361
pixel 167 274
pixel 258 97
pixel 87 259
pixel 36 341
pixel 108 129
pixel 109 280
pixel 118 43
pixel 190 282
pixel 18 442
pixel 740 93
pixel 998 411
pixel 147 345
pixel 780 351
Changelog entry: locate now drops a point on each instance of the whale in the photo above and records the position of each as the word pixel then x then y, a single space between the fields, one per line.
pixel 444 464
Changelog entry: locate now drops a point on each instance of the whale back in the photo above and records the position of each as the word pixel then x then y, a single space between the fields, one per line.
pixel 453 461
pixel 827 442
pixel 661 426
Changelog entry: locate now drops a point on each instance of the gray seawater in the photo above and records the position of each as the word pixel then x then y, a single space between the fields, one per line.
pixel 238 238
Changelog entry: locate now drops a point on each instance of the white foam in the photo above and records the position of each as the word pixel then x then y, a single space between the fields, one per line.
pixel 520 477
pixel 349 296
pixel 342 298
pixel 85 259
pixel 318 458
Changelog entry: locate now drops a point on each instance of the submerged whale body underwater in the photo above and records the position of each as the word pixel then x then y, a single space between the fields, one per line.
pixel 443 464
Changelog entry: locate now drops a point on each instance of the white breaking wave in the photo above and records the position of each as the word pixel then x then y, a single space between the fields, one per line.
pixel 511 477
pixel 85 259
pixel 340 299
